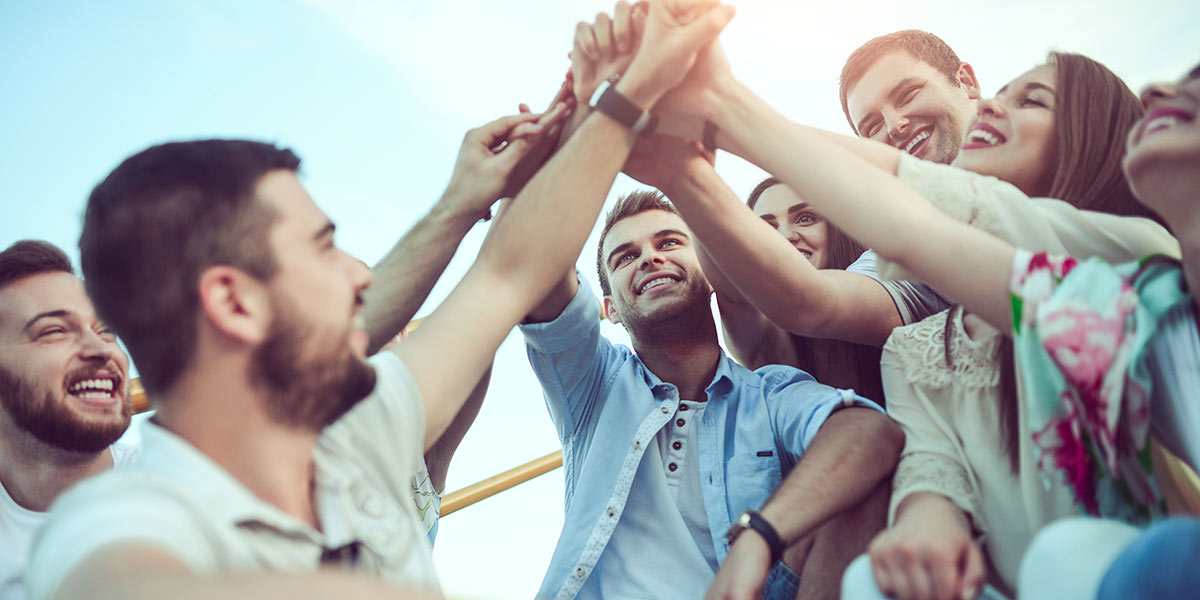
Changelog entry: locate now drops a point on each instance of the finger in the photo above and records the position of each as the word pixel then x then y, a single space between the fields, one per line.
pixel 523 108
pixel 974 573
pixel 882 571
pixel 705 28
pixel 901 574
pixel 941 572
pixel 920 579
pixel 640 11
pixel 604 37
pixel 547 120
pixel 623 26
pixel 585 41
pixel 497 131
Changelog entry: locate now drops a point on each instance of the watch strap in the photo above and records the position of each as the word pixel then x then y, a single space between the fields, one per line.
pixel 624 111
pixel 752 520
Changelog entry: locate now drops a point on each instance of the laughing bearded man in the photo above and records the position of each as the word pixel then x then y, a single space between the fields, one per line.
pixel 63 396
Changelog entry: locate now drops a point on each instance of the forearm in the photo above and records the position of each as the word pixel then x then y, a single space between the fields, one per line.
pixel 440 452
pixel 406 275
pixel 526 252
pixel 872 206
pixel 855 449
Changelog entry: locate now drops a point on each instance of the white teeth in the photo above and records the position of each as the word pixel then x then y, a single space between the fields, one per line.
pixel 653 283
pixel 980 135
pixel 1162 123
pixel 917 139
pixel 92 384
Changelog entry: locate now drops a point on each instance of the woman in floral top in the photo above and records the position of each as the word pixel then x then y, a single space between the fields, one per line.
pixel 1105 351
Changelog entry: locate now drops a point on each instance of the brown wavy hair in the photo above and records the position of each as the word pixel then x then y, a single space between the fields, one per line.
pixel 841 251
pixel 1094 111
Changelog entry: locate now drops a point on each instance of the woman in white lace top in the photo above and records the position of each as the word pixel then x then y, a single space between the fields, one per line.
pixel 1054 131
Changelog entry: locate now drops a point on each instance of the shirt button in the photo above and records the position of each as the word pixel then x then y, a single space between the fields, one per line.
pixel 672 467
pixel 677 445
pixel 682 407
pixel 611 512
pixel 680 422
pixel 637 443
pixel 664 410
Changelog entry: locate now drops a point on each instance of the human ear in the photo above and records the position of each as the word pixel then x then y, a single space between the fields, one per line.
pixel 967 81
pixel 234 303
pixel 610 311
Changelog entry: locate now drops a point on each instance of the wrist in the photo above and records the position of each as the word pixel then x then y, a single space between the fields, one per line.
pixel 639 89
pixel 456 212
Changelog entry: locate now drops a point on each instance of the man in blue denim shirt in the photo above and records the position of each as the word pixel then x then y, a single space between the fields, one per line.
pixel 667 450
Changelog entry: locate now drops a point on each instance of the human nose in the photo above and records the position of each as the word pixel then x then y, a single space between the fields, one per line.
pixel 989 106
pixel 96 347
pixel 897 126
pixel 1157 92
pixel 650 256
pixel 361 275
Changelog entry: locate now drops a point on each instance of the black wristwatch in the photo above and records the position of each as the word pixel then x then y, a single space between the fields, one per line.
pixel 609 101
pixel 752 520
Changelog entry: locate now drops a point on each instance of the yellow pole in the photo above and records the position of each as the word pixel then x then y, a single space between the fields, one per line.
pixel 498 483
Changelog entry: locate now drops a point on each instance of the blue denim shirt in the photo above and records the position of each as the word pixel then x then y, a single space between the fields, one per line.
pixel 607 407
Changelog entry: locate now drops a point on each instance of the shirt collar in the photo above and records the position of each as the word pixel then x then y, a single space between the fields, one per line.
pixel 721 383
pixel 222 495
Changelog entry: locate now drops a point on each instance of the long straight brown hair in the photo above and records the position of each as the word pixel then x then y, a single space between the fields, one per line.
pixel 840 252
pixel 1094 111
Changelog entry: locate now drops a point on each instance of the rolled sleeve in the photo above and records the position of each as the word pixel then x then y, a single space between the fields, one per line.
pixel 802 405
pixel 571 360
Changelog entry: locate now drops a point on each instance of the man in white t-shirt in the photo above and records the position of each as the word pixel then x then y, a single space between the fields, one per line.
pixel 279 460
pixel 63 396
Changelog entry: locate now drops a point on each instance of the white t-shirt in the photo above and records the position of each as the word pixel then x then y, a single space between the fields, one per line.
pixel 177 499
pixel 18 525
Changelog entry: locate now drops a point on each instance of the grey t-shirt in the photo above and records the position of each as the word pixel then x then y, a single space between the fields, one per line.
pixel 913 299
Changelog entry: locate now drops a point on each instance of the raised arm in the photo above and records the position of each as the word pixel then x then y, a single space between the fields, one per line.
pixel 404 278
pixel 772 275
pixel 852 183
pixel 542 232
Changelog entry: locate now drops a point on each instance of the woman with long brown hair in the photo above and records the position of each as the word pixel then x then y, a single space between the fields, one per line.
pixel 834 362
pixel 1054 130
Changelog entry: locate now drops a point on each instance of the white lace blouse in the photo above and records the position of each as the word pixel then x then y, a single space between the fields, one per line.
pixel 950 414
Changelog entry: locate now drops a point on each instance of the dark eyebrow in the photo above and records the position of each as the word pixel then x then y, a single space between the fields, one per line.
pixel 668 232
pixel 61 313
pixel 327 230
pixel 797 207
pixel 616 251
pixel 1032 85
pixel 893 95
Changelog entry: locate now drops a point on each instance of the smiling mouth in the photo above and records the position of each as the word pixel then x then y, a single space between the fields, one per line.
pixel 1164 122
pixel 655 282
pixel 94 388
pixel 916 140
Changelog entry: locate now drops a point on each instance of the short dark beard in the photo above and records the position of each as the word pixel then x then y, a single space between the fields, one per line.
pixel 50 421
pixel 308 393
pixel 677 323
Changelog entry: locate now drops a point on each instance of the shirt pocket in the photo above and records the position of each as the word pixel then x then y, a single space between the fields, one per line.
pixel 750 479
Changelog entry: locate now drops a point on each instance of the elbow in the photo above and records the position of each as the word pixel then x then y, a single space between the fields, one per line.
pixel 888 440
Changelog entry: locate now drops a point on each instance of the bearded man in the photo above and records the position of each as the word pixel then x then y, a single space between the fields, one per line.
pixel 63 396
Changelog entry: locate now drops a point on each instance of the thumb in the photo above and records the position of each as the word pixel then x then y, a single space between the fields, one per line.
pixel 705 29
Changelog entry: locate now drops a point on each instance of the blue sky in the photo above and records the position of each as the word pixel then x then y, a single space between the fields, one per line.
pixel 375 96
